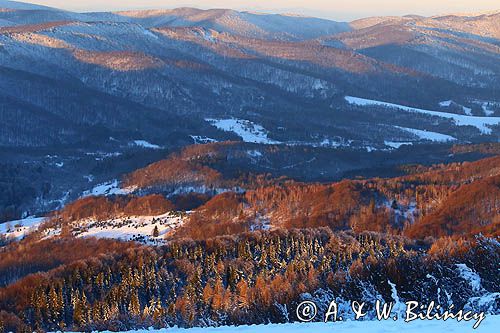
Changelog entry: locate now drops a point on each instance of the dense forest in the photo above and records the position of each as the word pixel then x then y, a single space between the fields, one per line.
pixel 440 200
pixel 251 252
pixel 436 200
pixel 253 278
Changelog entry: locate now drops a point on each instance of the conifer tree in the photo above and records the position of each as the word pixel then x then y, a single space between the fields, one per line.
pixel 156 232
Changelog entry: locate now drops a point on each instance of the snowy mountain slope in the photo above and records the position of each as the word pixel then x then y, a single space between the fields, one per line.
pixel 428 135
pixel 77 80
pixel 451 47
pixel 295 27
pixel 481 23
pixel 21 5
pixel 489 325
pixel 483 124
pixel 19 228
pixel 21 13
pixel 165 70
pixel 109 188
pixel 248 131
pixel 128 228
pixel 4 23
pixel 133 228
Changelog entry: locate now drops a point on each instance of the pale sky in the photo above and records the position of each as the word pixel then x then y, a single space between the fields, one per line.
pixel 343 10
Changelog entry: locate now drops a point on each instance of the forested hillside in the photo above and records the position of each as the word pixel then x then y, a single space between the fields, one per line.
pixel 261 249
pixel 191 167
pixel 246 279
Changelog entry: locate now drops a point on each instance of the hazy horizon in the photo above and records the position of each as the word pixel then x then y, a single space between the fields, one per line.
pixel 333 9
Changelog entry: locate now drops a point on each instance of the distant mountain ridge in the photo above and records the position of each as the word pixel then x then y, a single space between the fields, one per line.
pixel 22 5
pixel 221 62
pixel 273 26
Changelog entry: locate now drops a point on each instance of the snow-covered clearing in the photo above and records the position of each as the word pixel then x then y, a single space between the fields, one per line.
pixel 255 133
pixel 481 123
pixel 100 156
pixel 428 135
pixel 470 276
pixel 130 228
pixel 487 110
pixel 484 300
pixel 254 153
pixel 487 106
pixel 136 228
pixel 145 144
pixel 445 103
pixel 489 325
pixel 247 130
pixel 19 228
pixel 198 139
pixel 396 145
pixel 466 110
pixel 109 188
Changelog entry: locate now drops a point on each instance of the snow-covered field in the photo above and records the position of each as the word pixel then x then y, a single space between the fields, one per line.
pixel 130 228
pixel 489 325
pixel 396 145
pixel 481 123
pixel 198 139
pixel 17 229
pixel 428 135
pixel 136 228
pixel 466 110
pixel 420 135
pixel 109 188
pixel 487 106
pixel 20 5
pixel 255 133
pixel 145 144
pixel 247 130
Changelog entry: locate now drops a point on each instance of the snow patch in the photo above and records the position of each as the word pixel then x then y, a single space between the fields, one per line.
pixel 487 302
pixel 150 34
pixel 247 130
pixel 490 324
pixel 470 276
pixel 89 178
pixel 319 85
pixel 428 135
pixel 198 139
pixel 254 153
pixel 133 228
pixel 396 145
pixel 466 110
pixel 100 156
pixel 145 144
pixel 19 228
pixel 109 188
pixel 399 307
pixel 261 223
pixel 486 110
pixel 486 106
pixel 481 123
